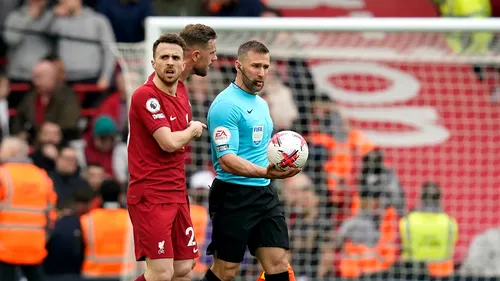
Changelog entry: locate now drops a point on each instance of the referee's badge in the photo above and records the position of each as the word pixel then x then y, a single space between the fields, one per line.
pixel 257 134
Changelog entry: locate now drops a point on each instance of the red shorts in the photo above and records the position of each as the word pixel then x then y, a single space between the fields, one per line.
pixel 163 231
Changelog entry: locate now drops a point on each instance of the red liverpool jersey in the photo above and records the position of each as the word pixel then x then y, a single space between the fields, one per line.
pixel 156 175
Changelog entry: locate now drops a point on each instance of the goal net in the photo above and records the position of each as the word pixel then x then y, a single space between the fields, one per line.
pixel 421 94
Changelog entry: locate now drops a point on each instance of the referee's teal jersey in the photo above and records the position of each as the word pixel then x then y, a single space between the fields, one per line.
pixel 240 123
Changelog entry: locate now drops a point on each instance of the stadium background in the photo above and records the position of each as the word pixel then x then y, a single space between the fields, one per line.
pixel 458 149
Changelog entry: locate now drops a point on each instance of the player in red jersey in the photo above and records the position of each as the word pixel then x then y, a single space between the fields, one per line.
pixel 160 127
pixel 199 54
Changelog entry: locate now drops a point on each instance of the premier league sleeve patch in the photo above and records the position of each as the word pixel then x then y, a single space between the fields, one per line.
pixel 153 105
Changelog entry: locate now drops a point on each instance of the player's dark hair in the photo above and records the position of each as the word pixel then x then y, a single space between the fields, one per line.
pixel 197 35
pixel 169 38
pixel 254 46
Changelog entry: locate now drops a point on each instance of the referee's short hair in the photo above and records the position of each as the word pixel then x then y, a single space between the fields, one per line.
pixel 254 46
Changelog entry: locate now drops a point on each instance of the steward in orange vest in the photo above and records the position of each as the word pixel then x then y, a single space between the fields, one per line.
pixel 199 188
pixel 106 236
pixel 27 200
pixel 334 150
pixel 368 241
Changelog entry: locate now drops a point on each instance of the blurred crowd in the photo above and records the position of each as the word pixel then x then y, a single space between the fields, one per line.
pixel 63 119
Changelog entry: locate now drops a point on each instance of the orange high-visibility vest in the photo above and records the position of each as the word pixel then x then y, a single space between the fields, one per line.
pixel 291 274
pixel 199 217
pixel 105 233
pixel 358 259
pixel 340 163
pixel 27 200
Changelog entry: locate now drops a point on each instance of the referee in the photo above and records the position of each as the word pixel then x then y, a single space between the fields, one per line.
pixel 244 207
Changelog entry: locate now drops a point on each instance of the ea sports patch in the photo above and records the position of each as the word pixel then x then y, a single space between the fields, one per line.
pixel 221 135
pixel 152 105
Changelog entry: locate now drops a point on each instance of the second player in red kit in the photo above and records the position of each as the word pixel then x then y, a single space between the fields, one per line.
pixel 160 127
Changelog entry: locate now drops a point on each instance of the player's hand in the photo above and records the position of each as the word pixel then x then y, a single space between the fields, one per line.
pixel 197 128
pixel 272 173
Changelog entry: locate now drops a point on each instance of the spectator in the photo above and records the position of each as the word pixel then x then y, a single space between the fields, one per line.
pixel 64 263
pixel 310 232
pixel 65 176
pixel 27 199
pixel 105 233
pixel 4 105
pixel 120 161
pixel 334 149
pixel 200 95
pixel 24 35
pixel 429 236
pixel 61 73
pixel 471 43
pixel 95 62
pixel 199 186
pixel 48 101
pixel 376 175
pixel 483 257
pixel 280 99
pixel 127 17
pixel 477 43
pixel 367 240
pixel 7 7
pixel 95 175
pixel 290 194
pixel 46 146
pixel 115 105
pixel 100 146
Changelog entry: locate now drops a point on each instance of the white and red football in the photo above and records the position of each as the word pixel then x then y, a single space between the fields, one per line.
pixel 287 149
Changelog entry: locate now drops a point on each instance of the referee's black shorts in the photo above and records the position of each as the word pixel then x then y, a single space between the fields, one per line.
pixel 245 216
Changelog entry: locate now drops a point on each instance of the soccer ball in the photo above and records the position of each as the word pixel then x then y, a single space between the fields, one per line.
pixel 287 149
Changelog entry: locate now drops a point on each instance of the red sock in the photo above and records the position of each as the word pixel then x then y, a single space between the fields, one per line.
pixel 140 278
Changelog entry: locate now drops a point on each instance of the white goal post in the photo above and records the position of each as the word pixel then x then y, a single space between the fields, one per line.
pixel 230 30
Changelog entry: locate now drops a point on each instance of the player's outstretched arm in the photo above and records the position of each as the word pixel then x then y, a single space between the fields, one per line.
pixel 172 141
pixel 236 165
